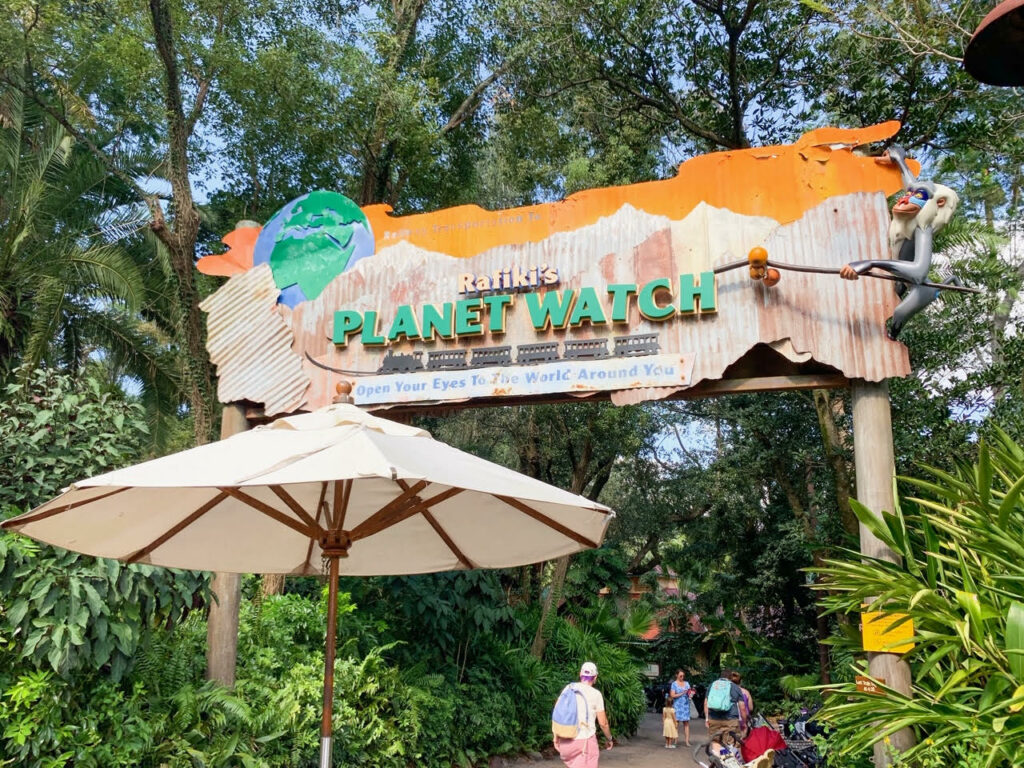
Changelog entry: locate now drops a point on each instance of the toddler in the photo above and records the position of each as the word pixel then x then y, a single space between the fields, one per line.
pixel 669 730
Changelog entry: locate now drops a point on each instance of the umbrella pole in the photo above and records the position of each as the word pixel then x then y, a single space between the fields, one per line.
pixel 332 621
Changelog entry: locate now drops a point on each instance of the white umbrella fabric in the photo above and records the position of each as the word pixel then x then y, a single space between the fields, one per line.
pixel 370 496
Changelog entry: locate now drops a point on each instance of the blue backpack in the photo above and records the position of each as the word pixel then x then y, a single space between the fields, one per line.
pixel 720 695
pixel 565 717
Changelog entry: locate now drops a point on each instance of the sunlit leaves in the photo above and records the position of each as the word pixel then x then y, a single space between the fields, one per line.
pixel 962 582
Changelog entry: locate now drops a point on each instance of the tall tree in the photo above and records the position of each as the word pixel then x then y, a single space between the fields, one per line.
pixel 144 85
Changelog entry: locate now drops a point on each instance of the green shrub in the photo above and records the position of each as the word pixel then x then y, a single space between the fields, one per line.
pixel 58 608
pixel 961 580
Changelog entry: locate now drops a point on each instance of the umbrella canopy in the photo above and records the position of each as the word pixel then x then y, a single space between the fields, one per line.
pixel 370 496
pixel 386 497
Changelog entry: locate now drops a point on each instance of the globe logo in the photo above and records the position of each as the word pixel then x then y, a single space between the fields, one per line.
pixel 312 240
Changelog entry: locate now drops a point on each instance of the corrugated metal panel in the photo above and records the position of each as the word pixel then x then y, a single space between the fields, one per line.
pixel 259 347
pixel 251 344
pixel 835 322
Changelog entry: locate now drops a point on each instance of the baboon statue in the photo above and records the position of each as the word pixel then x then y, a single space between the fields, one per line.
pixel 924 208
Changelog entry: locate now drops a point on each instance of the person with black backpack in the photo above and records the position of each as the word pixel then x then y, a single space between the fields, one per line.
pixel 724 707
pixel 575 718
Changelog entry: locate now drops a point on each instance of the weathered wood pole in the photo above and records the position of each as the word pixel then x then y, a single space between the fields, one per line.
pixel 225 589
pixel 876 467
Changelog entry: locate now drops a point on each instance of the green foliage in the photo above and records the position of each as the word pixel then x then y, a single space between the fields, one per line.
pixel 59 222
pixel 619 673
pixel 62 610
pixel 97 723
pixel 450 613
pixel 960 581
pixel 56 429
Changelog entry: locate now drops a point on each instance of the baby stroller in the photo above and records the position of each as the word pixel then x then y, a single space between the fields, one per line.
pixel 799 750
pixel 762 747
pixel 729 753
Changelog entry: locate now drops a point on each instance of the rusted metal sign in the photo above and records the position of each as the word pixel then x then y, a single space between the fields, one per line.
pixel 867 685
pixel 624 291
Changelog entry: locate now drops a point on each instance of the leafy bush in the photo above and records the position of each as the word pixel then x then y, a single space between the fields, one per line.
pixel 961 580
pixel 56 429
pixel 619 678
pixel 94 722
pixel 59 608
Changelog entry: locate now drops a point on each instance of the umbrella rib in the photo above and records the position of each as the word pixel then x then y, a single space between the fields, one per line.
pixel 269 511
pixel 295 507
pixel 344 503
pixel 541 517
pixel 332 513
pixel 466 562
pixel 397 503
pixel 175 529
pixel 17 522
pixel 308 566
pixel 393 515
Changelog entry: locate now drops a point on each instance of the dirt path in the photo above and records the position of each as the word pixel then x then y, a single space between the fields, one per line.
pixel 647 748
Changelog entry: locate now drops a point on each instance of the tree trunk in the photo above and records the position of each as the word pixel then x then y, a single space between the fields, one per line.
pixel 540 639
pixel 822 628
pixel 180 235
pixel 272 584
pixel 580 468
pixel 829 411
pixel 222 622
pixel 824 661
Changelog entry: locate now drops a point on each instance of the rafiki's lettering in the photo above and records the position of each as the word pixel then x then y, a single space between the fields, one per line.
pixel 510 278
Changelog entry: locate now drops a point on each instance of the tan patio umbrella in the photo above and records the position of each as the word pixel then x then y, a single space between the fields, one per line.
pixel 368 495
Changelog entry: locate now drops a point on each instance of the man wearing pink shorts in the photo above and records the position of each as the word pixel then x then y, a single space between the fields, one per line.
pixel 583 752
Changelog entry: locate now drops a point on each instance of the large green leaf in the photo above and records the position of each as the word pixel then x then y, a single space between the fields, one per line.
pixel 1014 642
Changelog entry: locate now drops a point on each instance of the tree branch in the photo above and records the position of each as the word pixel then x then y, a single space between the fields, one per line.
pixel 471 103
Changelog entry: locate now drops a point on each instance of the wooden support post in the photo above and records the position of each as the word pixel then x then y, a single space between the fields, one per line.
pixel 226 588
pixel 327 714
pixel 876 467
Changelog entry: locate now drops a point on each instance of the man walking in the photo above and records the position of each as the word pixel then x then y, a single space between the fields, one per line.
pixel 723 709
pixel 582 751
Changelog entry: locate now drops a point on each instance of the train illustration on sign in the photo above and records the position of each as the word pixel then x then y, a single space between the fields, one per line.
pixel 526 354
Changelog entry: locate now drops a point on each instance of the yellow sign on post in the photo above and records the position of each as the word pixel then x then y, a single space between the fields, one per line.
pixel 881 636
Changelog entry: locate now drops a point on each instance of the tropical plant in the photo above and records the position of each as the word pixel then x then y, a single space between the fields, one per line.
pixel 60 217
pixel 959 580
pixel 64 610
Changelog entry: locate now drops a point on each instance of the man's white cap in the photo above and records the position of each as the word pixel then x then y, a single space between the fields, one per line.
pixel 589 669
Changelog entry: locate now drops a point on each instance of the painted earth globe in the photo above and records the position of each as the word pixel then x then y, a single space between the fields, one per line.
pixel 312 240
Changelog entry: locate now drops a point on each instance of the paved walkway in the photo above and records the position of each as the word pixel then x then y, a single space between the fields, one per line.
pixel 647 748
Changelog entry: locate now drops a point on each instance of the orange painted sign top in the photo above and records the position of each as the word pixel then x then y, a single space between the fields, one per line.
pixel 765 181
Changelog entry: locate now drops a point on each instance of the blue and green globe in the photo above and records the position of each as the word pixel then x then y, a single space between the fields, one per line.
pixel 312 240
